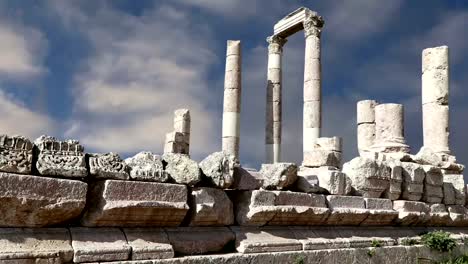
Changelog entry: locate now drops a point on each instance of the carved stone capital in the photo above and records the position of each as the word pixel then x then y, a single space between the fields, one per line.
pixel 275 44
pixel 313 24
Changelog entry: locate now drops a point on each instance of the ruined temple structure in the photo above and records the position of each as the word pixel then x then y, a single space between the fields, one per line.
pixel 59 204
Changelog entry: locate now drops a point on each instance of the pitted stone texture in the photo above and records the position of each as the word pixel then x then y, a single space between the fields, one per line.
pixel 146 166
pixel 27 245
pixel 278 176
pixel 266 239
pixel 368 177
pixel 247 179
pixel 199 240
pixel 130 204
pixel 396 178
pixel 326 180
pixel 60 158
pixel 389 128
pixel 439 215
pixel 177 142
pixel 433 182
pixel 381 212
pixel 108 166
pixel 445 161
pixel 31 201
pixel 210 207
pixel 15 154
pixel 458 215
pixel 366 111
pixel 329 143
pixel 148 243
pixel 219 168
pixel 413 181
pixel 320 157
pixel 454 188
pixel 261 207
pixel 411 212
pixel 182 169
pixel 346 210
pixel 99 244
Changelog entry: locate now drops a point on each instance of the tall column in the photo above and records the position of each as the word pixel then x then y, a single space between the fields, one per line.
pixel 273 103
pixel 232 98
pixel 312 82
pixel 365 125
pixel 389 129
pixel 435 94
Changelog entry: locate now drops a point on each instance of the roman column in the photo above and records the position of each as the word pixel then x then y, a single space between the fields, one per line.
pixel 232 98
pixel 389 129
pixel 365 124
pixel 312 81
pixel 435 94
pixel 273 100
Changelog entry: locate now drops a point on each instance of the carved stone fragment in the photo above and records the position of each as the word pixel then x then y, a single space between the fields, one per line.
pixel 219 168
pixel 182 169
pixel 15 154
pixel 413 181
pixel 327 180
pixel 146 166
pixel 278 176
pixel 108 166
pixel 210 207
pixel 369 178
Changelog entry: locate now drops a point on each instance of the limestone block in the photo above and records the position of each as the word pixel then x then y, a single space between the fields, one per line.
pixel 15 154
pixel 278 176
pixel 233 47
pixel 210 207
pixel 454 188
pixel 219 169
pixel 442 160
pixel 312 112
pixel 108 166
pixel 380 212
pixel 413 181
pixel 199 240
pixel 177 142
pixel 368 177
pixel 130 203
pixel 233 63
pixel 312 91
pixel 438 215
pixel 458 215
pixel 435 75
pixel 436 127
pixel 435 58
pixel 182 169
pixel 346 210
pixel 329 143
pixel 148 243
pixel 99 244
pixel 365 136
pixel 411 212
pixel 60 158
pixel 247 179
pixel 35 245
pixel 265 239
pixel 320 238
pixel 146 166
pixel 182 121
pixel 396 179
pixel 319 157
pixel 31 201
pixel 433 182
pixel 366 111
pixel 323 180
pixel 312 69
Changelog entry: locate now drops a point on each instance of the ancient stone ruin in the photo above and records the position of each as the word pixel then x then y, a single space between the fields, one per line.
pixel 59 204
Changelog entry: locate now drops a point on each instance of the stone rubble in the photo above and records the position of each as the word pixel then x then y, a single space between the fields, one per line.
pixel 325 152
pixel 368 177
pixel 182 169
pixel 210 207
pixel 146 166
pixel 219 168
pixel 108 166
pixel 16 153
pixel 326 180
pixel 278 176
pixel 413 181
pixel 178 141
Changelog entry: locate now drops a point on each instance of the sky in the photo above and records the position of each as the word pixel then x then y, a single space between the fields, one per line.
pixel 111 73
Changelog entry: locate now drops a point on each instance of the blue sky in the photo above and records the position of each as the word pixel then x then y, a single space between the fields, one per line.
pixel 111 73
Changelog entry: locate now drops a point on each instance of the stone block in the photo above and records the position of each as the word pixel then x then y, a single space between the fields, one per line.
pixel 319 158
pixel 60 158
pixel 346 210
pixel 199 240
pixel 131 204
pixel 31 201
pixel 210 207
pixel 413 181
pixel 381 212
pixel 148 243
pixel 329 143
pixel 182 169
pixel 177 142
pixel 320 238
pixel 428 156
pixel 366 111
pixel 439 215
pixel 247 179
pixel 108 166
pixel 454 189
pixel 458 215
pixel 219 168
pixel 265 239
pixel 365 137
pixel 433 182
pixel 146 166
pixel 396 179
pixel 99 244
pixel 278 176
pixel 16 154
pixel 368 177
pixel 35 245
pixel 327 180
pixel 411 212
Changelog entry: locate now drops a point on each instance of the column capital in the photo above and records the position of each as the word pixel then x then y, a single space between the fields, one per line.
pixel 276 44
pixel 313 24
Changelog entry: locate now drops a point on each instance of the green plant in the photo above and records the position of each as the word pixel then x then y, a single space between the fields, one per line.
pixel 299 259
pixel 376 243
pixel 371 252
pixel 409 241
pixel 439 240
pixel 460 260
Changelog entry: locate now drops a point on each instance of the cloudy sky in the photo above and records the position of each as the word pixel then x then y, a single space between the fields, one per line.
pixel 111 73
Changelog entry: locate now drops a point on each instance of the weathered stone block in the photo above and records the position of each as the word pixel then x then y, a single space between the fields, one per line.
pixel 413 181
pixel 219 168
pixel 108 166
pixel 442 160
pixel 454 188
pixel 247 179
pixel 210 207
pixel 265 239
pixel 319 157
pixel 99 244
pixel 458 215
pixel 199 240
pixel 323 180
pixel 368 177
pixel 129 204
pixel 148 243
pixel 366 111
pixel 396 178
pixel 31 201
pixel 329 143
pixel 15 154
pixel 146 166
pixel 411 212
pixel 346 210
pixel 182 169
pixel 438 215
pixel 278 176
pixel 380 212
pixel 433 182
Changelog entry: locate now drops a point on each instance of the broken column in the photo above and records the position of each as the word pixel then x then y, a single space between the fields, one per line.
pixel 365 124
pixel 232 98
pixel 313 24
pixel 273 103
pixel 389 129
pixel 178 141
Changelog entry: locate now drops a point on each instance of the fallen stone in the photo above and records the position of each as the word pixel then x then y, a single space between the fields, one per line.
pixel 135 204
pixel 433 182
pixel 346 210
pixel 458 215
pixel 381 212
pixel 146 166
pixel 278 176
pixel 60 158
pixel 368 177
pixel 413 181
pixel 219 168
pixel 454 188
pixel 148 243
pixel 210 207
pixel 265 239
pixel 108 166
pixel 321 157
pixel 327 180
pixel 411 213
pixel 15 154
pixel 99 244
pixel 182 169
pixel 247 179
pixel 50 245
pixel 199 240
pixel 438 215
pixel 31 201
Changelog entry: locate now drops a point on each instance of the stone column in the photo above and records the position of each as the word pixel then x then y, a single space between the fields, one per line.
pixel 273 100
pixel 435 94
pixel 232 98
pixel 389 129
pixel 312 83
pixel 365 124
pixel 178 141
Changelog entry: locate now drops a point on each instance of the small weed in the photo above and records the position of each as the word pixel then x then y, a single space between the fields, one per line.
pixel 409 241
pixel 439 240
pixel 376 243
pixel 299 259
pixel 371 252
